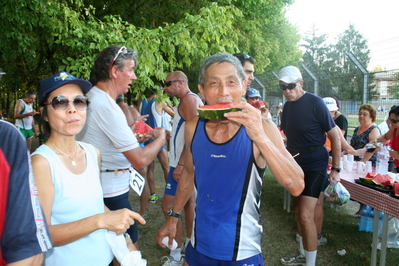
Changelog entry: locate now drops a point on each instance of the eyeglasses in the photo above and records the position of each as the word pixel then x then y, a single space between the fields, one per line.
pixel 362 114
pixel 393 120
pixel 168 83
pixel 60 103
pixel 290 86
pixel 122 50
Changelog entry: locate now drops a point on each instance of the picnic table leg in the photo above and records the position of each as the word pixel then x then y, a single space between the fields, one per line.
pixel 384 240
pixel 375 238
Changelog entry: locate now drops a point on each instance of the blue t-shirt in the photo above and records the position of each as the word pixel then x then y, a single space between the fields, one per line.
pixel 305 123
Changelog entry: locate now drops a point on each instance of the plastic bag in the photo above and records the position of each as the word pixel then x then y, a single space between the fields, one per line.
pixel 337 194
pixel 393 234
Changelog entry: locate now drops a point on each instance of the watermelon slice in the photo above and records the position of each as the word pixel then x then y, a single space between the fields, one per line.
pixel 383 180
pixel 396 189
pixel 371 175
pixel 142 129
pixel 216 111
pixel 366 180
pixel 258 104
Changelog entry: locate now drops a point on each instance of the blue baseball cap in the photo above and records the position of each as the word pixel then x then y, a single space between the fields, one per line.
pixel 49 84
pixel 252 93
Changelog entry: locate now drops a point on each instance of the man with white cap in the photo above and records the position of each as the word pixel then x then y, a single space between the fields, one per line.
pixel 305 122
pixel 339 119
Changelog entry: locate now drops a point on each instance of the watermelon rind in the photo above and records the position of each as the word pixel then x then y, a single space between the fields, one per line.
pixel 216 114
pixel 366 180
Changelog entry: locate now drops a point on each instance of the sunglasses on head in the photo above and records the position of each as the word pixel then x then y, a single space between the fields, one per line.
pixel 393 120
pixel 290 86
pixel 169 82
pixel 60 103
pixel 122 50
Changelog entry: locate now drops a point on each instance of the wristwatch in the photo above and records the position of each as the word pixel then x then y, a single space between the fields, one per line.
pixel 336 169
pixel 173 214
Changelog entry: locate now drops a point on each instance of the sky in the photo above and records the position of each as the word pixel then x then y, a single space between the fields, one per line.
pixel 377 21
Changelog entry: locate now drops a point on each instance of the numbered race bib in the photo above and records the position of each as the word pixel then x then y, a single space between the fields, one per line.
pixel 136 181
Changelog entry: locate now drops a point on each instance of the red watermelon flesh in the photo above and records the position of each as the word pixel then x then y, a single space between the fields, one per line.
pixel 217 106
pixel 396 189
pixel 216 111
pixel 383 180
pixel 371 175
pixel 258 104
pixel 142 128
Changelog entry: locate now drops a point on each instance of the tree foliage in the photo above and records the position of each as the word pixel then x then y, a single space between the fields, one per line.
pixel 43 37
pixel 339 75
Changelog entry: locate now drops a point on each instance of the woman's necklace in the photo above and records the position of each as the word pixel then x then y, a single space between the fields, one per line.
pixel 72 159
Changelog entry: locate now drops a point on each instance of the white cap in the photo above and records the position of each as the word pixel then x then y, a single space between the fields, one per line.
pixel 289 74
pixel 331 104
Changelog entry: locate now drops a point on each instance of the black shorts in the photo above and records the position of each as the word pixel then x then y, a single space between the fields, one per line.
pixel 120 202
pixel 314 181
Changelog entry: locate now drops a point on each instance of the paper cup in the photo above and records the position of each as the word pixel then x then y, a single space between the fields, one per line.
pixel 369 167
pixel 349 166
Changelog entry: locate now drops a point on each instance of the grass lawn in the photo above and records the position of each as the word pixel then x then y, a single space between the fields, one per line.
pixel 340 228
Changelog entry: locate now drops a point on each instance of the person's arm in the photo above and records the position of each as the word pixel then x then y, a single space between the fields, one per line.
pixel 184 189
pixel 61 234
pixel 348 148
pixel 18 108
pixel 335 137
pixel 167 109
pixel 373 135
pixel 270 148
pixel 36 260
pixel 384 137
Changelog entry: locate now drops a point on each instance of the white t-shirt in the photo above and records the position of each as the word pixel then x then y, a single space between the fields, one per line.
pixel 106 128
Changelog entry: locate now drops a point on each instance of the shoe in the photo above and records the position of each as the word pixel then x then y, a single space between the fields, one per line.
pixel 321 241
pixel 294 260
pixel 169 261
pixel 297 237
pixel 153 198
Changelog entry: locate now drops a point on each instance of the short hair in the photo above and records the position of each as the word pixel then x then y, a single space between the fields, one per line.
pixel 29 93
pixel 120 98
pixel 220 58
pixel 394 110
pixel 371 109
pixel 266 104
pixel 244 57
pixel 100 70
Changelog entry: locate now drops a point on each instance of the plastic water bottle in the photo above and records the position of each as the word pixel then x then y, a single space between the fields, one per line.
pixel 370 221
pixel 363 218
pixel 383 160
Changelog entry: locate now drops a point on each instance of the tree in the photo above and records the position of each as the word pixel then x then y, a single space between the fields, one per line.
pixel 43 37
pixel 394 89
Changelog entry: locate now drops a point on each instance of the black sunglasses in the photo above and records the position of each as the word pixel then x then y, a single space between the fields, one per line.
pixel 169 82
pixel 60 103
pixel 393 120
pixel 290 86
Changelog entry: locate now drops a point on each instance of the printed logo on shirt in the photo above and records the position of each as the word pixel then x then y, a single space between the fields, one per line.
pixel 218 156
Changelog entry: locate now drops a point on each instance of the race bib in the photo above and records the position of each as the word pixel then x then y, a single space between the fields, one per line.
pixel 136 181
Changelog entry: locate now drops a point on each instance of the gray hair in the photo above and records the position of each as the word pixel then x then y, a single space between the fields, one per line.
pixel 220 58
pixel 100 70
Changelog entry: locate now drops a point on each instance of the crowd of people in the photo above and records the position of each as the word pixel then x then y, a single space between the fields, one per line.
pixel 78 209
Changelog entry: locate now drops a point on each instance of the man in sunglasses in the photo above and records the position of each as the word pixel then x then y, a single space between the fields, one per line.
pixel 176 85
pixel 23 115
pixel 107 129
pixel 224 164
pixel 305 121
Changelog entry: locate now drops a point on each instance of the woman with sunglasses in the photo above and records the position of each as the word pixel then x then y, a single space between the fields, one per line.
pixel 392 135
pixel 67 177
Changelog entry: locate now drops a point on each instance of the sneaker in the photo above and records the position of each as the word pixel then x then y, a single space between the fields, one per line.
pixel 169 261
pixel 297 237
pixel 321 241
pixel 294 260
pixel 153 198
